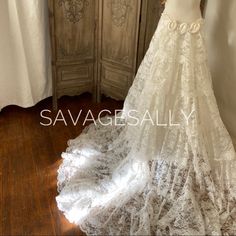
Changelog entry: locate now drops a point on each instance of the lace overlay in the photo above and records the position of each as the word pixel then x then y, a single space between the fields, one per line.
pixel 152 180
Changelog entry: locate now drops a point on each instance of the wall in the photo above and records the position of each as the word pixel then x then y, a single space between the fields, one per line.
pixel 221 42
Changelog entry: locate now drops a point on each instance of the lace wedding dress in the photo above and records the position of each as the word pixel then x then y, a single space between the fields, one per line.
pixel 166 177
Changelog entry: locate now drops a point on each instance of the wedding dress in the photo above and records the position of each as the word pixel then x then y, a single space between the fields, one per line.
pixel 174 175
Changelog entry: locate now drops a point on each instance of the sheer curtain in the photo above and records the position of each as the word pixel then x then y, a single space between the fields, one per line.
pixel 25 71
pixel 221 40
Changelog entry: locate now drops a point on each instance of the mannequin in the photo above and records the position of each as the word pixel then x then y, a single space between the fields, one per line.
pixel 183 10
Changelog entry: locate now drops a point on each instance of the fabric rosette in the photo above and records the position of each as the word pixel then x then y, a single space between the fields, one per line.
pixel 172 25
pixel 183 28
pixel 194 27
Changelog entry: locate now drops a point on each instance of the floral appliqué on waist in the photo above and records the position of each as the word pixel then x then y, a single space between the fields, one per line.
pixel 183 27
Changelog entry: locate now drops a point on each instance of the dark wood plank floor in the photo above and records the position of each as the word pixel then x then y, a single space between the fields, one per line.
pixel 29 158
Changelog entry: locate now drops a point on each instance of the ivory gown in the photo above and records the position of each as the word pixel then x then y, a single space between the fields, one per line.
pixel 150 179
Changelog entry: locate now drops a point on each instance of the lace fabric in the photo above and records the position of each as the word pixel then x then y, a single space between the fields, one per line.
pixel 156 180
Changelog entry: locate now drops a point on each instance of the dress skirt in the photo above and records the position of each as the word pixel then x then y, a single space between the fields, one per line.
pixel 165 164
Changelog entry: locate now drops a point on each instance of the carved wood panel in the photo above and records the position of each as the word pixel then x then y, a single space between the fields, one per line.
pixel 115 82
pixel 74 46
pixel 119 28
pixel 75 29
pixel 74 9
pixel 74 75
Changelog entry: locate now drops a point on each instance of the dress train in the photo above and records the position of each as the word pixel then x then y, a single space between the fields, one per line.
pixel 155 179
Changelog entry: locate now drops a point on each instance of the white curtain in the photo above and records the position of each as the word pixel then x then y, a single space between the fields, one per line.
pixel 25 71
pixel 221 41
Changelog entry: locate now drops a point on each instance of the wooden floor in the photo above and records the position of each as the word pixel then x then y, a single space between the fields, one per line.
pixel 29 158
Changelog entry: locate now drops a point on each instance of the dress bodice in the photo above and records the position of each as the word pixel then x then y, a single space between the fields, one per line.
pixel 183 10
